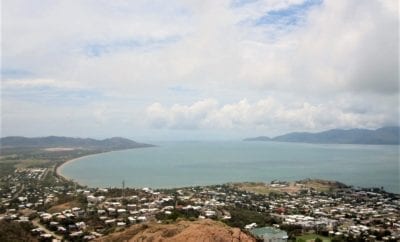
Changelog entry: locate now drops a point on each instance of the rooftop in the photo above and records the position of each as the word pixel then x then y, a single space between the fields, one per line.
pixel 269 232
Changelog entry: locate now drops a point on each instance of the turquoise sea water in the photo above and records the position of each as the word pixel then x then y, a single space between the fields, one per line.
pixel 178 164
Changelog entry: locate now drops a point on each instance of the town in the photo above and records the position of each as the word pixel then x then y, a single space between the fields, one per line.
pixel 51 208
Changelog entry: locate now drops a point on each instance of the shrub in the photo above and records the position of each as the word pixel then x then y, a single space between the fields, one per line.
pixel 318 239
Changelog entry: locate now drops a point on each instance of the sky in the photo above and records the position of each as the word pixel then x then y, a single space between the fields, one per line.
pixel 194 70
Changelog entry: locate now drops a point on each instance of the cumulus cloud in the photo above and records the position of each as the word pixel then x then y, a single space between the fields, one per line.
pixel 329 46
pixel 181 116
pixel 269 113
pixel 322 63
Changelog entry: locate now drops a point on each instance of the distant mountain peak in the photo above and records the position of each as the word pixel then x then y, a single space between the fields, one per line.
pixel 385 135
pixel 69 142
pixel 259 138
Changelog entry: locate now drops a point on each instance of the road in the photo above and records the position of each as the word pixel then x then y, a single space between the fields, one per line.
pixel 38 224
pixel 15 194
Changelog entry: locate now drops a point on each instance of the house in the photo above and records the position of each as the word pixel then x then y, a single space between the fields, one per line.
pixel 141 218
pixel 121 224
pixel 250 226
pixel 109 221
pixel 210 213
pixel 61 229
pixel 80 225
pixel 131 220
pixel 121 211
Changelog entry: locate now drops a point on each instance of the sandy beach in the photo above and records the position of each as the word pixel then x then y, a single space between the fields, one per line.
pixel 58 173
pixel 59 167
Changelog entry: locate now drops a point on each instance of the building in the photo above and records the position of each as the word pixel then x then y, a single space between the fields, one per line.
pixel 270 234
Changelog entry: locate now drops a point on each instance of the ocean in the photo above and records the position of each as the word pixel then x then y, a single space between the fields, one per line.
pixel 179 164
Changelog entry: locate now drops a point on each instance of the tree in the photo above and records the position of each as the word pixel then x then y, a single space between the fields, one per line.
pixel 337 239
pixel 13 231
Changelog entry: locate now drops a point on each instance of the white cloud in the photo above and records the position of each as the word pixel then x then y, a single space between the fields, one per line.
pixel 339 45
pixel 40 82
pixel 268 113
pixel 338 65
pixel 180 116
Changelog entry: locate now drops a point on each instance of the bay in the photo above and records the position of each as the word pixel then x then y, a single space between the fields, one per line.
pixel 179 164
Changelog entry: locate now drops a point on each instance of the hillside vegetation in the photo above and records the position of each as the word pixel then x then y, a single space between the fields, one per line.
pixel 384 136
pixel 68 142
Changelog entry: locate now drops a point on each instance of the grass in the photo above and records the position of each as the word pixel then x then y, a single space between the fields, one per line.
pixel 64 206
pixel 9 163
pixel 265 189
pixel 312 237
pixel 29 163
pixel 255 187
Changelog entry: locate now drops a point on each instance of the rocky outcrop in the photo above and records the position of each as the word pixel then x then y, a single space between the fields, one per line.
pixel 182 231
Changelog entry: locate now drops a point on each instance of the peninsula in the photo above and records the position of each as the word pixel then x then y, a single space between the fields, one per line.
pixel 381 136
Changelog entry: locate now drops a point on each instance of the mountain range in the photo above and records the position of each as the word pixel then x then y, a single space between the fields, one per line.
pixel 385 135
pixel 68 142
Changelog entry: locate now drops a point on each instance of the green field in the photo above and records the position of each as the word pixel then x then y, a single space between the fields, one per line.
pixel 311 237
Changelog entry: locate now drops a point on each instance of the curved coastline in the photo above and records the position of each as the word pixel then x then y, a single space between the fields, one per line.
pixel 246 165
pixel 58 168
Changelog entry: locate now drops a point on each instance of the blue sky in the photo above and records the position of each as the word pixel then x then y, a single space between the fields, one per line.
pixel 199 69
pixel 291 15
pixel 93 49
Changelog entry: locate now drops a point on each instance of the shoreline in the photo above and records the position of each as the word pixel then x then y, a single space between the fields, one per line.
pixel 308 179
pixel 59 166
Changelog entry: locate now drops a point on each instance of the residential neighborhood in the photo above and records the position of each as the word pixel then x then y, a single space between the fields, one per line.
pixel 70 212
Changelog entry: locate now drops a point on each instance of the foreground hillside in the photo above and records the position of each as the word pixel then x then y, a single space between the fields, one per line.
pixel 182 231
pixel 385 135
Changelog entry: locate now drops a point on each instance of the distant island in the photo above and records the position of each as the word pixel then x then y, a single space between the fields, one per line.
pixel 381 136
pixel 114 143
